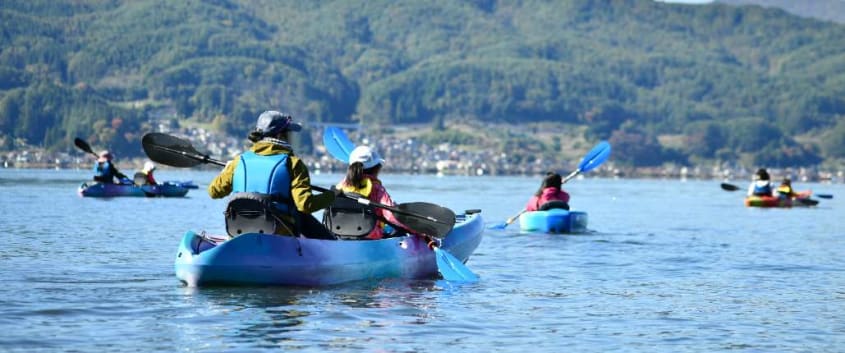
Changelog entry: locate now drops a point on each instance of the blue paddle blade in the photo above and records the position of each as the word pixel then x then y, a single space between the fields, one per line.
pixel 188 184
pixel 595 157
pixel 451 268
pixel 337 143
pixel 501 225
pixel 824 196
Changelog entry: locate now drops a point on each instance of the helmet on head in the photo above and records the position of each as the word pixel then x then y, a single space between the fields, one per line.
pixel 272 122
pixel 366 156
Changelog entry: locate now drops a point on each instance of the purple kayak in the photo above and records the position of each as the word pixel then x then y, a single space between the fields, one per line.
pixel 166 189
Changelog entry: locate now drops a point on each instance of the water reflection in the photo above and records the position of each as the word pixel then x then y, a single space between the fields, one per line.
pixel 290 316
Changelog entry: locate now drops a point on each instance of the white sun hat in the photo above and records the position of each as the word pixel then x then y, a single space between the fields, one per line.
pixel 366 156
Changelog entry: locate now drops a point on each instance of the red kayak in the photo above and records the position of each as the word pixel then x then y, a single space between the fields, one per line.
pixel 801 200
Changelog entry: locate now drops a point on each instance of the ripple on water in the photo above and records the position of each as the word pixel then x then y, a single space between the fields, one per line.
pixel 676 273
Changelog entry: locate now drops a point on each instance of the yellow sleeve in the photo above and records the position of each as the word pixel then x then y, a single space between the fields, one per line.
pixel 222 183
pixel 300 189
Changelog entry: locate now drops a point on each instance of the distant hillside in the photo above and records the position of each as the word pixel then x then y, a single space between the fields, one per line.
pixel 664 82
pixel 829 10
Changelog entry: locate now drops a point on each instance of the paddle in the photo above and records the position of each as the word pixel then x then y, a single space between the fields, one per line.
pixel 594 158
pixel 84 146
pixel 729 187
pixel 508 221
pixel 805 201
pixel 337 143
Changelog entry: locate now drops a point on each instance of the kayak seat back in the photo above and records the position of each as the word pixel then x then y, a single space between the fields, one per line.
pixel 250 212
pixel 554 204
pixel 349 219
pixel 139 179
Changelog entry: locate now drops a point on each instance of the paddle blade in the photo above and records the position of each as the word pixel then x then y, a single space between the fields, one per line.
pixel 729 187
pixel 807 202
pixel 506 223
pixel 82 145
pixel 451 268
pixel 595 157
pixel 824 196
pixel 501 225
pixel 170 150
pixel 337 143
pixel 426 218
pixel 188 185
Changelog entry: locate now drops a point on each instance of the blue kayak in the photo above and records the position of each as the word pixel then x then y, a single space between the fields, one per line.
pixel 266 259
pixel 554 221
pixel 166 189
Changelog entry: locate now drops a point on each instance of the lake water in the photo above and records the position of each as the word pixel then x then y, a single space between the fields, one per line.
pixel 670 266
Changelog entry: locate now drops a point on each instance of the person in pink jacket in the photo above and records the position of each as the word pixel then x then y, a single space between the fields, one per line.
pixel 550 195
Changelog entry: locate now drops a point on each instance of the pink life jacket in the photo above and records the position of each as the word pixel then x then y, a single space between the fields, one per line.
pixel 548 194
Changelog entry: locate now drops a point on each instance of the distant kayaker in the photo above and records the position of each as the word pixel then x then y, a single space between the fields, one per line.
pixel 550 195
pixel 271 169
pixel 762 184
pixel 785 191
pixel 145 176
pixel 362 179
pixel 104 169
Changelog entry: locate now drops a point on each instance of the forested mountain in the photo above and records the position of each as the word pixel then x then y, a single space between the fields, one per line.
pixel 830 10
pixel 662 81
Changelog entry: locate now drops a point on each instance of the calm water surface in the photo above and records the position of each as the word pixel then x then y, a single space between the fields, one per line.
pixel 669 266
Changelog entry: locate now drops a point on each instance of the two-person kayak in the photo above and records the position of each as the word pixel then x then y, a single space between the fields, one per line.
pixel 166 189
pixel 802 199
pixel 267 259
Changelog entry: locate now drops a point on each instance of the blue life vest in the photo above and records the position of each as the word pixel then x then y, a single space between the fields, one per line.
pixel 265 175
pixel 103 172
pixel 765 190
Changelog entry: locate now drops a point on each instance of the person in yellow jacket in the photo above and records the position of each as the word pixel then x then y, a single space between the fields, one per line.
pixel 784 190
pixel 270 168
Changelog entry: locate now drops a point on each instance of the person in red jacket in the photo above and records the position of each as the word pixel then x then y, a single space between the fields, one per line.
pixel 550 195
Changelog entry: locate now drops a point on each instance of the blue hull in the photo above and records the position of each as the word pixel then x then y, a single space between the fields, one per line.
pixel 282 260
pixel 166 189
pixel 554 221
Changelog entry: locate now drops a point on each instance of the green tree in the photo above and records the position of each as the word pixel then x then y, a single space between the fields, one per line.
pixel 833 142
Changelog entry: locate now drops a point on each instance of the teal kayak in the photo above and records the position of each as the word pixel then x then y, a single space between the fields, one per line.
pixel 267 259
pixel 553 221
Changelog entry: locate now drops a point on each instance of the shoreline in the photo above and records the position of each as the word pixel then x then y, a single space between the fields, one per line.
pixel 330 166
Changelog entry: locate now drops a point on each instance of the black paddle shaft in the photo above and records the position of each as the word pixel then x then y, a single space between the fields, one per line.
pixel 422 217
pixel 84 146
